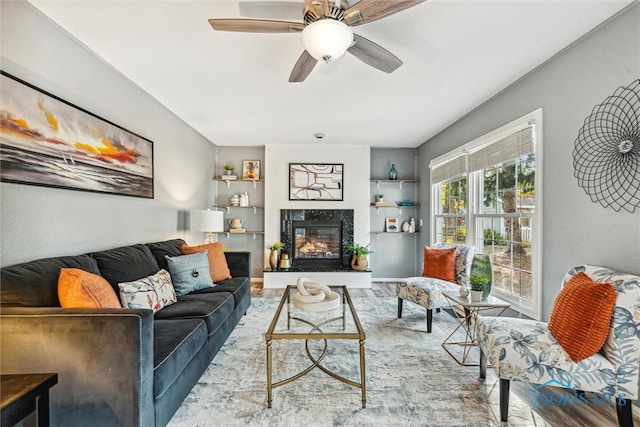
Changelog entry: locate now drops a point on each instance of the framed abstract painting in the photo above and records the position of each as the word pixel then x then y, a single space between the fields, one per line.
pixel 47 141
pixel 315 181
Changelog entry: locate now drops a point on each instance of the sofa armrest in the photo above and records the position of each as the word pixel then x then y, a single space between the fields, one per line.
pixel 103 357
pixel 239 263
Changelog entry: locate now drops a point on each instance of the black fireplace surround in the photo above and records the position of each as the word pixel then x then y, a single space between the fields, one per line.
pixel 322 235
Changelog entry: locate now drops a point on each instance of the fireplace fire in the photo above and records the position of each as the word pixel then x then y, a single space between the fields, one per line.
pixel 317 240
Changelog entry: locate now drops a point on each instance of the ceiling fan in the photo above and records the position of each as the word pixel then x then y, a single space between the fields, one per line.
pixel 326 32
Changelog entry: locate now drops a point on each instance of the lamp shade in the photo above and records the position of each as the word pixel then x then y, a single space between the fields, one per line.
pixel 207 221
pixel 327 39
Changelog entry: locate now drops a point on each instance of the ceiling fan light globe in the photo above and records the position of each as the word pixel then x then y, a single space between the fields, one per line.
pixel 327 39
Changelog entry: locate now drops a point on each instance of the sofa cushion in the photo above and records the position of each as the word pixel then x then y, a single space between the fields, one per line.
pixel 581 316
pixel 440 263
pixel 126 264
pixel 154 292
pixel 217 260
pixel 80 289
pixel 239 287
pixel 213 308
pixel 190 272
pixel 166 248
pixel 35 283
pixel 175 343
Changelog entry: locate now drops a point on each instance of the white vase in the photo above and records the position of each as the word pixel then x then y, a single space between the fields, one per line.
pixel 412 225
pixel 405 227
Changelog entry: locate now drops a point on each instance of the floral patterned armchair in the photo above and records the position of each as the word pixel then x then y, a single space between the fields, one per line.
pixel 525 350
pixel 427 291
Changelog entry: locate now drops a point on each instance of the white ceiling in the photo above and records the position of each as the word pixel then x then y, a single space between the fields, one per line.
pixel 233 89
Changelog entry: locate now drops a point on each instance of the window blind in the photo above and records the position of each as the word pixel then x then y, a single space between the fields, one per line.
pixel 503 150
pixel 448 169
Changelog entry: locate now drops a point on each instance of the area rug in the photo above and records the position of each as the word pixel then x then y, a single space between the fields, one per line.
pixel 411 380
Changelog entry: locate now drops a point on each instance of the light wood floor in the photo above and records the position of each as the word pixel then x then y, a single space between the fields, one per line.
pixel 567 416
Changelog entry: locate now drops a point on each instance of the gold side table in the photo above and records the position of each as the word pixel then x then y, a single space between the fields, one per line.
pixel 467 322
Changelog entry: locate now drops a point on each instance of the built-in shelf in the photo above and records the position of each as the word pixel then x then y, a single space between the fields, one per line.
pixel 229 181
pixel 248 232
pixel 229 207
pixel 394 181
pixel 399 208
pixel 398 233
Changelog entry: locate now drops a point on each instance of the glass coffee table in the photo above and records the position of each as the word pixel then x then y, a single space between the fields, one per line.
pixel 292 323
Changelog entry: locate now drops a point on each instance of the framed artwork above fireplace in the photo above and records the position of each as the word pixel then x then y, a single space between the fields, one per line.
pixel 315 181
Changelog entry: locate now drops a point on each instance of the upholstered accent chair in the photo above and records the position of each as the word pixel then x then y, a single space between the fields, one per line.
pixel 526 350
pixel 427 291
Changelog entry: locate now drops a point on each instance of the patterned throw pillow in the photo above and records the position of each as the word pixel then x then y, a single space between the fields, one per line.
pixel 154 292
pixel 464 256
pixel 218 267
pixel 80 289
pixel 581 316
pixel 439 263
pixel 190 272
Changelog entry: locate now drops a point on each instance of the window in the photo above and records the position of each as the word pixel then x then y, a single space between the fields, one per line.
pixel 487 193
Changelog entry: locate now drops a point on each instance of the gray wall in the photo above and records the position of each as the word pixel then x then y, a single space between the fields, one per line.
pixel 567 87
pixel 38 222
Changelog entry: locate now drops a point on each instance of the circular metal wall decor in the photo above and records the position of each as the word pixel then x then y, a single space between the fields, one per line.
pixel 606 154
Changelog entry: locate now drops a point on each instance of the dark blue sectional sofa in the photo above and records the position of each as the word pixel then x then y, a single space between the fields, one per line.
pixel 116 367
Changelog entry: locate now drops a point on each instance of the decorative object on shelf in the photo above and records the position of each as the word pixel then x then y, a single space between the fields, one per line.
pixel 209 222
pixel 251 169
pixel 244 199
pixel 379 198
pixel 405 227
pixel 314 181
pixel 391 225
pixel 312 296
pixel 235 200
pixel 606 155
pixel 273 255
pixel 393 173
pixel 236 223
pixel 359 255
pixel 412 225
pixel 50 142
pixel 481 274
pixel 228 169
pixel 285 262
pixel 405 203
pixel 228 177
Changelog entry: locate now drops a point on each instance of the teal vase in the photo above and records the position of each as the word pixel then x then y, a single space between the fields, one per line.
pixel 393 173
pixel 481 271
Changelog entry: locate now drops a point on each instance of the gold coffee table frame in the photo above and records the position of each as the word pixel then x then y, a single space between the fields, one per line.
pixel 468 322
pixel 316 332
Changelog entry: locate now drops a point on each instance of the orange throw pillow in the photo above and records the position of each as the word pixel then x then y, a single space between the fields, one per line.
pixel 81 289
pixel 440 263
pixel 217 261
pixel 581 316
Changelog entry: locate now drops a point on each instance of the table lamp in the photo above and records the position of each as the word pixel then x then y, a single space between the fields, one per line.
pixel 209 222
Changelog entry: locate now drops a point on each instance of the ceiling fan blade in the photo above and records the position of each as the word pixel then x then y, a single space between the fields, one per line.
pixel 303 68
pixel 372 10
pixel 255 26
pixel 374 55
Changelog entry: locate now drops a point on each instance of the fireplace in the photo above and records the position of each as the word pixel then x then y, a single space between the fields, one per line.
pixel 315 239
